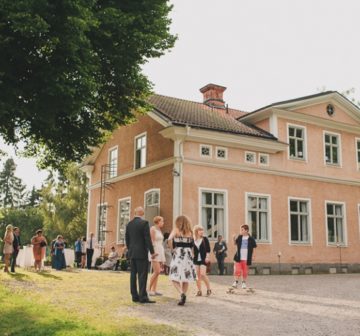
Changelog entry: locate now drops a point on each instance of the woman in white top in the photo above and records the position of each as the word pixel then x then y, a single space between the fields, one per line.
pixel 157 241
pixel 8 246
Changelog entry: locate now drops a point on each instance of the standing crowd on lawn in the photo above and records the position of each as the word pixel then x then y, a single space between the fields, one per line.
pixel 184 254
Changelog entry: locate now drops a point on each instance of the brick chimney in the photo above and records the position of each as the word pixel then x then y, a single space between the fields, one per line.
pixel 213 95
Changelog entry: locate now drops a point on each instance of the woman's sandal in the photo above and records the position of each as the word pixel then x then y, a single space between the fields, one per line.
pixel 198 293
pixel 208 292
pixel 182 300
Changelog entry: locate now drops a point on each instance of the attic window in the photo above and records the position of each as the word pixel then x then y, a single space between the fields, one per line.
pixel 250 157
pixel 206 151
pixel 221 153
pixel 264 159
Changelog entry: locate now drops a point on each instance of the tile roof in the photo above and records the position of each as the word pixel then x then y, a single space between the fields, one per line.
pixel 198 115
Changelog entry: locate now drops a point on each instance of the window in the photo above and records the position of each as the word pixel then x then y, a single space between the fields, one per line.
pixel 101 219
pixel 296 142
pixel 264 159
pixel 140 151
pixel 206 151
pixel 258 216
pixel 113 161
pixel 152 204
pixel 250 157
pixel 335 221
pixel 221 153
pixel 213 213
pixel 358 152
pixel 123 218
pixel 332 146
pixel 299 221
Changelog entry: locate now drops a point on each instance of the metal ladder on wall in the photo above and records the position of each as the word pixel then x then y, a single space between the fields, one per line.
pixel 103 207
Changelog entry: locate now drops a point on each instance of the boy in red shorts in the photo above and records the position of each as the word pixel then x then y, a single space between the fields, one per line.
pixel 244 255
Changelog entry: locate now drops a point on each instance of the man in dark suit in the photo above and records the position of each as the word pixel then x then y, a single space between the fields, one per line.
pixel 138 243
pixel 16 246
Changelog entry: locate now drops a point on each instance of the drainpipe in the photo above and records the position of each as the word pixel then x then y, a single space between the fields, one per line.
pixel 177 178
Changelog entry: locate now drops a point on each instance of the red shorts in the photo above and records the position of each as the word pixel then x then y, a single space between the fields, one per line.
pixel 241 268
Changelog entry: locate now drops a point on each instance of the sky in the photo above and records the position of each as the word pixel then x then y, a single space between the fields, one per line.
pixel 262 51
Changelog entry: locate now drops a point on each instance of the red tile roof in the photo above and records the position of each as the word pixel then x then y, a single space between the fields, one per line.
pixel 199 115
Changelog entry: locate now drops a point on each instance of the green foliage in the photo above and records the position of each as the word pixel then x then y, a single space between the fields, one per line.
pixel 64 204
pixel 12 190
pixel 28 219
pixel 70 71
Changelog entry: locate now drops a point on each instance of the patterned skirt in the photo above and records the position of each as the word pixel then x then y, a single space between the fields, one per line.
pixel 181 266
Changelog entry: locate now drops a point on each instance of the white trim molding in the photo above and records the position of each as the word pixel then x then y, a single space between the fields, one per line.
pixel 305 151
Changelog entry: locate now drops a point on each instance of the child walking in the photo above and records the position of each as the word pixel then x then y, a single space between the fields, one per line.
pixel 244 255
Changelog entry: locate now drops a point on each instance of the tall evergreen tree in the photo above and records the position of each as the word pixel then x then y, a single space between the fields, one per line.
pixel 12 189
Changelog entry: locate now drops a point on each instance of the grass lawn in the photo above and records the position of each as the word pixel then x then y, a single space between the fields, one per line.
pixel 77 302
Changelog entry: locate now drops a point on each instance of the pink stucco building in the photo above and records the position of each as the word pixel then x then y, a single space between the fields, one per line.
pixel 289 170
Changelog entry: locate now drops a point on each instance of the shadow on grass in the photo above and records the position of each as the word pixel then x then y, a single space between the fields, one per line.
pixel 47 274
pixel 19 276
pixel 33 324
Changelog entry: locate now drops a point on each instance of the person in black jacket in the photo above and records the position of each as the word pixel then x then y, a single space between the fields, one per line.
pixel 201 258
pixel 138 243
pixel 244 255
pixel 220 249
pixel 16 246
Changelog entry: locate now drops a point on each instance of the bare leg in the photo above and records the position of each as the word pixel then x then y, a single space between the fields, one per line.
pixel 198 280
pixel 178 286
pixel 154 276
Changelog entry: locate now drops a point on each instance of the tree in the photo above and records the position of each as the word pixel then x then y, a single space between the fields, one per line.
pixel 70 71
pixel 12 190
pixel 64 204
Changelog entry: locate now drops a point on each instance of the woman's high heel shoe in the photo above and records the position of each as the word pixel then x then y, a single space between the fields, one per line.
pixel 182 300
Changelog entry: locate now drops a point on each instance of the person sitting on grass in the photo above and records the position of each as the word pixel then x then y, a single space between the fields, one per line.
pixel 111 261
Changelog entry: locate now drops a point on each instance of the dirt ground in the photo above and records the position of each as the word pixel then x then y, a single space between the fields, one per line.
pixel 281 305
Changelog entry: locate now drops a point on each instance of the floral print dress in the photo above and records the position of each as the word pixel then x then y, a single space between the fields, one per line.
pixel 181 266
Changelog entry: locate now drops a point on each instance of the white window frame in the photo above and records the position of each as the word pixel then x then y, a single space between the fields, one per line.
pixel 308 200
pixel 304 158
pixel 118 240
pixel 135 149
pixel 330 164
pixel 357 152
pixel 212 190
pixel 113 172
pixel 268 196
pixel 157 204
pixel 250 162
pixel 210 151
pixel 267 159
pixel 344 223
pixel 103 242
pixel 225 150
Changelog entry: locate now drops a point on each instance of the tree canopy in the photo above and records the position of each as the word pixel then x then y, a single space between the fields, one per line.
pixel 70 70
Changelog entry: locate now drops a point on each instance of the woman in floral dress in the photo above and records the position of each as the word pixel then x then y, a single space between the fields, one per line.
pixel 182 270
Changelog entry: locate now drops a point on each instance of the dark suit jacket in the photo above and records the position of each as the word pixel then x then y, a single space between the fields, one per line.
pixel 138 240
pixel 16 243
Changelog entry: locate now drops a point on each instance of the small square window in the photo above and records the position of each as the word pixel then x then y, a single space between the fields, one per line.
pixel 264 159
pixel 250 157
pixel 205 151
pixel 221 153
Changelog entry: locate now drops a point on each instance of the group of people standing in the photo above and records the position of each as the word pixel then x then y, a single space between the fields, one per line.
pixel 190 256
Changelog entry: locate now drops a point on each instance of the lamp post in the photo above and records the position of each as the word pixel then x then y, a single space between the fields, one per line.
pixel 279 257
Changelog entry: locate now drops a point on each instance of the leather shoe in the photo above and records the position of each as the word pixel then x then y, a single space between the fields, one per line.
pixel 147 301
pixel 135 300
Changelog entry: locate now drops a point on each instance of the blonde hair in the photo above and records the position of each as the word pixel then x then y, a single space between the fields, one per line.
pixel 196 229
pixel 183 224
pixel 157 219
pixel 8 229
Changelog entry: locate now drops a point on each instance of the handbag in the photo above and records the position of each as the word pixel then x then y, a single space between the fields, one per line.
pixel 43 243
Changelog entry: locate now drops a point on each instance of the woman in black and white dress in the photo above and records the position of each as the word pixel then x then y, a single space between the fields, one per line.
pixel 201 258
pixel 182 270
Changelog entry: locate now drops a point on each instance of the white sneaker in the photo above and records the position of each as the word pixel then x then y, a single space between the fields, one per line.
pixel 151 293
pixel 243 284
pixel 234 285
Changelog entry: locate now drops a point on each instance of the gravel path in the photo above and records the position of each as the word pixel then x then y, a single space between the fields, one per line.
pixel 281 305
